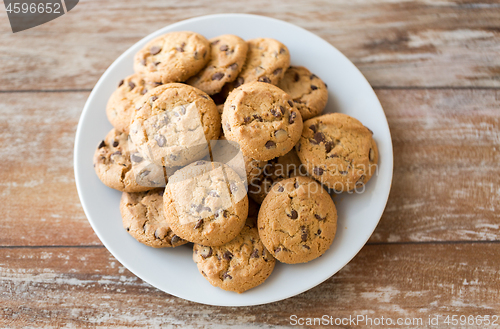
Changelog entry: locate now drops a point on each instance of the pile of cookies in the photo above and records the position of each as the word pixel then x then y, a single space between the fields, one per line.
pixel 202 126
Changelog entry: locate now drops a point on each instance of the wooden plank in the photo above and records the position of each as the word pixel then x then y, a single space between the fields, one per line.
pixel 394 43
pixel 67 287
pixel 445 184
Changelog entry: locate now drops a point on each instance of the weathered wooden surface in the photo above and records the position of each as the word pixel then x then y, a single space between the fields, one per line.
pixel 435 68
pixel 394 43
pixel 65 287
pixel 445 187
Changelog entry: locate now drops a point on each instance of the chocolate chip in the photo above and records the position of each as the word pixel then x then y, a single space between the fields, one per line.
pixel 319 137
pixel 227 255
pixel 117 153
pixel 333 155
pixel 157 235
pixel 298 147
pixel 313 128
pixel 282 51
pixel 198 224
pixel 313 87
pixel 120 83
pixel 181 48
pixel 270 145
pixel 277 71
pixel 318 171
pixel 218 76
pixel 329 146
pixel 281 188
pixel 247 119
pixel 223 48
pixel 257 117
pixel 225 214
pixel 371 155
pixel 306 246
pixel 128 229
pixel 290 103
pixel 101 144
pixel 143 62
pixel 264 79
pixel 206 252
pixel 312 76
pixel 254 254
pixel 152 99
pixel 183 110
pixel 293 115
pixel 144 227
pixel 233 66
pixel 215 42
pixel 136 158
pixel 156 63
pixel 160 140
pixel 154 50
pixel 293 214
pixel 144 91
pixel 174 239
pixel 319 232
pixel 238 82
pixel 318 217
pixel 296 77
pixel 214 194
pixel 226 276
pixel 228 127
pixel 277 250
pixel 276 113
pixel 144 173
pixel 305 233
pixel 296 185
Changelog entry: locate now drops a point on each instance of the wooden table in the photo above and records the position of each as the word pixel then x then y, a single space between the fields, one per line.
pixel 435 65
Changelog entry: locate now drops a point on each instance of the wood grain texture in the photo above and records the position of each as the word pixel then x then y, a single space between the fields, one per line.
pixel 445 186
pixel 61 287
pixel 394 43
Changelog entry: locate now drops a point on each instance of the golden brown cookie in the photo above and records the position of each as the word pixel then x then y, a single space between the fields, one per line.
pixel 239 265
pixel 275 170
pixel 119 168
pixel 206 203
pixel 142 215
pixel 338 151
pixel 172 57
pixel 262 119
pixel 228 54
pixel 174 125
pixel 122 103
pixel 297 220
pixel 308 92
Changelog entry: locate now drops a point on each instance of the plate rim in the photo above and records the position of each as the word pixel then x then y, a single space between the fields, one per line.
pixel 86 111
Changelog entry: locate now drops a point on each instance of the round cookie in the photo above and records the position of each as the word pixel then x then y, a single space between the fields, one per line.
pixel 262 119
pixel 142 215
pixel 172 57
pixel 267 61
pixel 228 54
pixel 308 92
pixel 277 169
pixel 113 166
pixel 297 220
pixel 206 203
pixel 174 125
pixel 122 103
pixel 338 151
pixel 239 265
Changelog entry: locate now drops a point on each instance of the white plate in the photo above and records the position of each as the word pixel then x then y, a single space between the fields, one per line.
pixel 173 270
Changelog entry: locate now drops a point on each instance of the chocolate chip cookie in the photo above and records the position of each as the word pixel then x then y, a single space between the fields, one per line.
pixel 338 151
pixel 122 103
pixel 174 124
pixel 206 203
pixel 172 57
pixel 308 92
pixel 262 119
pixel 142 215
pixel 275 170
pixel 267 61
pixel 297 220
pixel 123 170
pixel 239 265
pixel 228 54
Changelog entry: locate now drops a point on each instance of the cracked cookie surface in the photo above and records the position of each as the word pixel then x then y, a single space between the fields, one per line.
pixel 142 216
pixel 228 54
pixel 338 151
pixel 262 119
pixel 174 124
pixel 297 220
pixel 308 92
pixel 267 60
pixel 239 265
pixel 275 170
pixel 113 166
pixel 172 57
pixel 206 203
pixel 121 105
